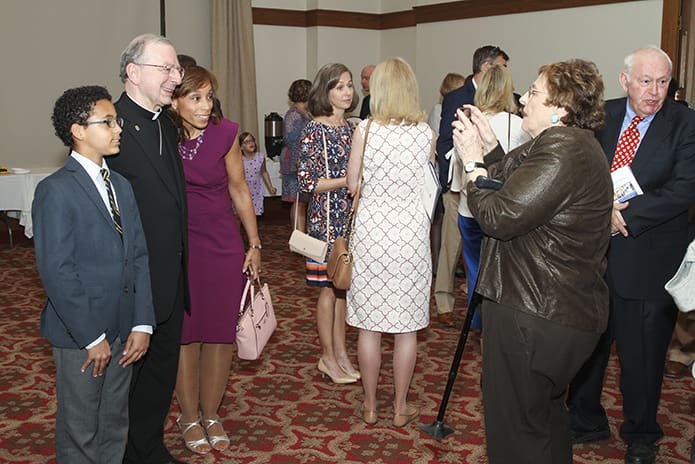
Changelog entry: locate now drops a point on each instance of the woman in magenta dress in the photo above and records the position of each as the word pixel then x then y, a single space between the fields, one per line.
pixel 217 261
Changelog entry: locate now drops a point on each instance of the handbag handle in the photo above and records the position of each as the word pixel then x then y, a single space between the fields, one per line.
pixel 249 285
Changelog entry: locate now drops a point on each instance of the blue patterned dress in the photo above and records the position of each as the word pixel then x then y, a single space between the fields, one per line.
pixel 311 168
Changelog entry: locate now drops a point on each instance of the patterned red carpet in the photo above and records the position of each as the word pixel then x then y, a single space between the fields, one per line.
pixel 279 410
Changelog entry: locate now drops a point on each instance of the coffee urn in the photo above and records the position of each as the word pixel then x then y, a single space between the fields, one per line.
pixel 273 135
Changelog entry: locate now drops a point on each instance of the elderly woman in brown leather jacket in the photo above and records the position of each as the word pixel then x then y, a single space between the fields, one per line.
pixel 547 228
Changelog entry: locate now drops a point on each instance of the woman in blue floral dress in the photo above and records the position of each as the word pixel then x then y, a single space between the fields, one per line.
pixel 324 150
pixel 292 126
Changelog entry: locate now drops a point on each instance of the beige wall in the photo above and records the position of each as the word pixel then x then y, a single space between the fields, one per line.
pixel 48 46
pixel 533 39
pixel 434 49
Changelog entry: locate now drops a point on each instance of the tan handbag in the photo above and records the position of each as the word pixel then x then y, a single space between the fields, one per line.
pixel 340 260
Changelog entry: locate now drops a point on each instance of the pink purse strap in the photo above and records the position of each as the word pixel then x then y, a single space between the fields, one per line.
pixel 249 285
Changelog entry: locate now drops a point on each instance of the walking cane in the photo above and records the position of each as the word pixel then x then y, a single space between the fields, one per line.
pixel 437 429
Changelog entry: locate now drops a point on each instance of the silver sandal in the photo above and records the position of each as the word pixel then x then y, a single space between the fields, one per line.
pixel 193 445
pixel 215 439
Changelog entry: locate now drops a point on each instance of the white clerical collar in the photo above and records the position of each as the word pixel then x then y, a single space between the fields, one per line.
pixel 155 114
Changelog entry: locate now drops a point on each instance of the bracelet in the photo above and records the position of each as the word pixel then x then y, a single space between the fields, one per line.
pixel 257 247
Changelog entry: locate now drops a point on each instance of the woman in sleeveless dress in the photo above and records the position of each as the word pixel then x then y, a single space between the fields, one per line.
pixel 214 172
pixel 392 268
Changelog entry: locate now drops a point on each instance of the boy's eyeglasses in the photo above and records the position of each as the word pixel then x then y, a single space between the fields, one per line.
pixel 112 123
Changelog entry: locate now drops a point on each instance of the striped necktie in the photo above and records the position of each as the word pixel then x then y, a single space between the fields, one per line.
pixel 627 145
pixel 112 201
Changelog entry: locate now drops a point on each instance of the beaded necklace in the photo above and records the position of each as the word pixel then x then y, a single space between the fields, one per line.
pixel 189 153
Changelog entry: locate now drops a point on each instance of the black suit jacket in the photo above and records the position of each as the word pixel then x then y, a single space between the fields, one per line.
pixel 639 265
pixel 452 101
pixel 97 281
pixel 365 111
pixel 159 186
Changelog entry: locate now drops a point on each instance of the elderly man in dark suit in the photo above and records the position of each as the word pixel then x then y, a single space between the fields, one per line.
pixel 149 159
pixel 450 247
pixel 650 236
pixel 92 258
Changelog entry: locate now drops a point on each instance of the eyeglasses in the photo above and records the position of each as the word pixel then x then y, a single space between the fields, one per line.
pixel 532 92
pixel 248 141
pixel 165 68
pixel 112 123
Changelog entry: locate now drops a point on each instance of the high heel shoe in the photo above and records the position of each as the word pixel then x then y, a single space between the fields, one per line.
pixel 401 420
pixel 354 374
pixel 369 417
pixel 215 440
pixel 193 445
pixel 340 380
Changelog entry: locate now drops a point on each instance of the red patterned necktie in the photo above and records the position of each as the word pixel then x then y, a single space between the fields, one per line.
pixel 627 145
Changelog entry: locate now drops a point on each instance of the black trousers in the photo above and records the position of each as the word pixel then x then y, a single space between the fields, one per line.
pixel 151 390
pixel 642 331
pixel 528 362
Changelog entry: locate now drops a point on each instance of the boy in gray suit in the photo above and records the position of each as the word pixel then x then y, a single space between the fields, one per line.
pixel 92 258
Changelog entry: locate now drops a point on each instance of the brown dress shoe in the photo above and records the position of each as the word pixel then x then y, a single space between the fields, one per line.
pixel 676 370
pixel 446 319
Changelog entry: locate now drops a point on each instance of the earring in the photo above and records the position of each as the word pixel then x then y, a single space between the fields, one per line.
pixel 554 119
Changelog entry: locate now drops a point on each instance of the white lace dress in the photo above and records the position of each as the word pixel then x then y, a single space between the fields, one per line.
pixel 392 270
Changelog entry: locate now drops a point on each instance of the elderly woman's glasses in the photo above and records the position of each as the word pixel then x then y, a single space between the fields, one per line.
pixel 165 68
pixel 112 123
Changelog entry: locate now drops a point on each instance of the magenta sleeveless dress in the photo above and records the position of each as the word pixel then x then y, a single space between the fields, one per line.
pixel 215 245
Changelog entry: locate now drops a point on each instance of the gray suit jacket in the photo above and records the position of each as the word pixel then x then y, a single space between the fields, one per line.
pixel 96 282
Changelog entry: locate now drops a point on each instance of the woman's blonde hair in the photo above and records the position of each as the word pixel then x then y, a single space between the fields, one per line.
pixel 394 93
pixel 452 81
pixel 495 92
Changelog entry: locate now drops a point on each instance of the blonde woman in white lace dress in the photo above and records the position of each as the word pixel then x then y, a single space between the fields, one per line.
pixel 392 270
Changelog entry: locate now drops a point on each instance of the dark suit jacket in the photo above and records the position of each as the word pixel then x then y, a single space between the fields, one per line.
pixel 365 111
pixel 455 99
pixel 96 282
pixel 159 186
pixel 639 265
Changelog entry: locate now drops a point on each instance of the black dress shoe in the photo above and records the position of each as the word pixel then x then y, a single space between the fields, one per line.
pixel 641 453
pixel 592 436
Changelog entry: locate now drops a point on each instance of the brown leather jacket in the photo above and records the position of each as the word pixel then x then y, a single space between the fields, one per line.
pixel 548 228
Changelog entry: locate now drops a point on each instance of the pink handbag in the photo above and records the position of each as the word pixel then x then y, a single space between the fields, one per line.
pixel 256 321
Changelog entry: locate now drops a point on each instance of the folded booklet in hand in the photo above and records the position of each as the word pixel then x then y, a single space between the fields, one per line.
pixel 431 190
pixel 625 186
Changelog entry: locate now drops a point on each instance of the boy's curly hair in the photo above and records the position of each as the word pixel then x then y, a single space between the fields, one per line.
pixel 74 107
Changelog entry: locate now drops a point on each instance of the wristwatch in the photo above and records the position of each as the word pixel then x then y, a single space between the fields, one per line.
pixel 472 166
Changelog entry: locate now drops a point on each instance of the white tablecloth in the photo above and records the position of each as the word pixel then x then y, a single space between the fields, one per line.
pixel 17 191
pixel 17 194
